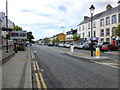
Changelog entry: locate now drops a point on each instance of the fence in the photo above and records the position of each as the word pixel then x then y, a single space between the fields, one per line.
pixel 5 54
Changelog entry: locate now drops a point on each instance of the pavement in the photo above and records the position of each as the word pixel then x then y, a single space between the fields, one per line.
pixel 98 59
pixel 16 72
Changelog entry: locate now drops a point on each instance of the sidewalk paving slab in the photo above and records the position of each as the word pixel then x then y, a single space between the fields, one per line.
pixel 16 73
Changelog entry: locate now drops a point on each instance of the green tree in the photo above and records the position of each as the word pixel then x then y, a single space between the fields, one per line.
pixel 30 36
pixel 76 37
pixel 46 40
pixel 117 31
pixel 56 40
pixel 17 28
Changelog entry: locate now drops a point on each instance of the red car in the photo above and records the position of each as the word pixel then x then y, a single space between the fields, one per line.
pixel 109 47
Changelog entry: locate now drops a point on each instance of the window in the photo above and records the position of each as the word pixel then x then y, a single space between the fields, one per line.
pixel 114 19
pixel 102 22
pixel 94 24
pixel 83 27
pixel 102 32
pixel 88 25
pixel 119 17
pixel 113 30
pixel 80 35
pixel 79 28
pixel 83 35
pixel 107 32
pixel 107 39
pixel 89 34
pixel 94 34
pixel 108 21
pixel 102 40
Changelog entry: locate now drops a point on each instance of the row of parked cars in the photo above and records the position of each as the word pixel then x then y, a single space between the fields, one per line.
pixel 104 46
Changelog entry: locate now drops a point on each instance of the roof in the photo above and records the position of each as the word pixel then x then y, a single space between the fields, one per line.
pixel 102 14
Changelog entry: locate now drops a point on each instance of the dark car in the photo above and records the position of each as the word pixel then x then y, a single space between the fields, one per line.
pixel 109 47
pixel 87 46
pixel 50 44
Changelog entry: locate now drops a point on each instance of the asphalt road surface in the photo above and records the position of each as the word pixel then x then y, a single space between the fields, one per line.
pixel 63 71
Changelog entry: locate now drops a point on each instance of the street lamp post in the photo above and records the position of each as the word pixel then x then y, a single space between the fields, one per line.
pixel 7 24
pixel 91 11
pixel 63 32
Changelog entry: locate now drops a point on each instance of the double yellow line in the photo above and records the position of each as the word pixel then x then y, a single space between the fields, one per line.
pixel 33 55
pixel 39 75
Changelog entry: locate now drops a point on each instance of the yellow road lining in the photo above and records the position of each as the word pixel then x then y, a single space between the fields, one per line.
pixel 33 55
pixel 115 53
pixel 35 63
pixel 43 82
pixel 34 66
pixel 37 66
pixel 38 82
pixel 81 55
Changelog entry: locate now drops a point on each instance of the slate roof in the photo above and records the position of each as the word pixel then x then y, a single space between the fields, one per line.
pixel 102 14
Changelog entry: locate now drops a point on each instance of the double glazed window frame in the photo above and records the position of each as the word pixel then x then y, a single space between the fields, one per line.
pixel 107 20
pixel 102 22
pixel 114 19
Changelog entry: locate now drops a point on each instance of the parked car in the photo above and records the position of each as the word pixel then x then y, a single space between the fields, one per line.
pixel 109 47
pixel 79 46
pixel 99 45
pixel 67 45
pixel 60 45
pixel 50 44
pixel 87 46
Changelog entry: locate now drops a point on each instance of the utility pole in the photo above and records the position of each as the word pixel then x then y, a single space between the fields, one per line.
pixel 7 24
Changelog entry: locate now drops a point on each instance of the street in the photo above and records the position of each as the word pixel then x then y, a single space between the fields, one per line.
pixel 63 71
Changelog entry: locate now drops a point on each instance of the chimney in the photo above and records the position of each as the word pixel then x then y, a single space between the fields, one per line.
pixel 118 2
pixel 108 7
pixel 86 17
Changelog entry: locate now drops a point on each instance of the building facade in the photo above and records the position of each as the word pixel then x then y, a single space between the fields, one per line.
pixel 10 23
pixel 70 34
pixel 103 25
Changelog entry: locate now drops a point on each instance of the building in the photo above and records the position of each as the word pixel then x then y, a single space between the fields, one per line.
pixel 10 23
pixel 60 37
pixel 0 32
pixel 104 24
pixel 70 34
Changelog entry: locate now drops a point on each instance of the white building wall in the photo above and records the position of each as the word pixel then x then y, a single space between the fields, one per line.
pixel 98 28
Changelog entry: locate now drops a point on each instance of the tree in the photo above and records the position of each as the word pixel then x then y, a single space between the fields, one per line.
pixel 17 28
pixel 76 37
pixel 56 40
pixel 46 40
pixel 30 36
pixel 117 31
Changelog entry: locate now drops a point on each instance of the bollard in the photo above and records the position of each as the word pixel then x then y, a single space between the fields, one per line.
pixel 72 48
pixel 97 52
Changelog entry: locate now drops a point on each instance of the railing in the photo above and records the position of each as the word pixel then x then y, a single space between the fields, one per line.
pixel 7 54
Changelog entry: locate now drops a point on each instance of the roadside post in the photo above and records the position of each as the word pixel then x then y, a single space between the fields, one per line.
pixel 97 52
pixel 72 48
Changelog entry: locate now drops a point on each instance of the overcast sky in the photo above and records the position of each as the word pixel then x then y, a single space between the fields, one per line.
pixel 46 17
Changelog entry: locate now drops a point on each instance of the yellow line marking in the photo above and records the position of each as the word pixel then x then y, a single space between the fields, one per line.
pixel 37 66
pixel 38 82
pixel 81 55
pixel 34 66
pixel 33 55
pixel 43 82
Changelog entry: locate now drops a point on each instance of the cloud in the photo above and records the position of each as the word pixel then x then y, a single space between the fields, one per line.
pixel 45 17
pixel 62 8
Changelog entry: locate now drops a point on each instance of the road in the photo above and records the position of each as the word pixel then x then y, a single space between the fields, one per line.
pixel 63 71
